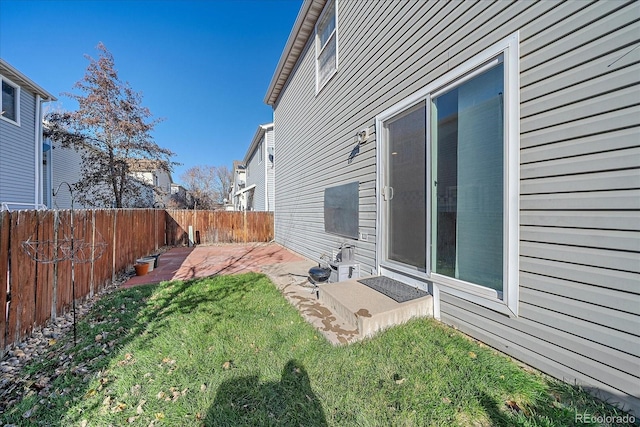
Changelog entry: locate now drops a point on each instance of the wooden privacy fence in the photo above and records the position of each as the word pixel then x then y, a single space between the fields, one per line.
pixel 34 287
pixel 209 227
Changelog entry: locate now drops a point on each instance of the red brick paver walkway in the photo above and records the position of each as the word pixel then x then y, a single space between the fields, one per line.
pixel 205 261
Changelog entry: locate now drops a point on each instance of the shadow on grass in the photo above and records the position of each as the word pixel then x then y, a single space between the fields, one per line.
pixel 245 401
pixel 65 374
pixel 578 411
pixel 178 297
pixel 492 409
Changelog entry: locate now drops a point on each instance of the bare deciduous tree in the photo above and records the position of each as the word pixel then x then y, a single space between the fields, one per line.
pixel 110 128
pixel 223 183
pixel 209 186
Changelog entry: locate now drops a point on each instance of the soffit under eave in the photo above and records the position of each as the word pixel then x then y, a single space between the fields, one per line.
pixel 302 30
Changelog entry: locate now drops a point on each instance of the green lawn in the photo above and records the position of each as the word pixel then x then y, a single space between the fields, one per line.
pixel 231 351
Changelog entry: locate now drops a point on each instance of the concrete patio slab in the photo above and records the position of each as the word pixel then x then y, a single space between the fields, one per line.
pixel 369 310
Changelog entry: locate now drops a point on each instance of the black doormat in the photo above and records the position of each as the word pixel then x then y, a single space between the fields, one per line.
pixel 395 290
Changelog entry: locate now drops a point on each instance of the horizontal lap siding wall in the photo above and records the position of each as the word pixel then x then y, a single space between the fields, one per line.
pixel 17 161
pixel 579 249
pixel 580 227
pixel 315 136
pixel 377 68
pixel 256 175
pixel 65 167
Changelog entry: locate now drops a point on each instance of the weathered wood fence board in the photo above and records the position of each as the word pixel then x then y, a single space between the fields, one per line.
pixel 44 272
pixel 4 268
pixel 218 227
pixel 32 290
pixel 106 242
pixel 21 277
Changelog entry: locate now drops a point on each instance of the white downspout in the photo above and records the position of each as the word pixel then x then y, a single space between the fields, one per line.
pixel 49 196
pixel 265 158
pixel 38 153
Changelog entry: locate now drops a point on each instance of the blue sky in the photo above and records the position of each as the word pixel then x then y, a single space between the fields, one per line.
pixel 203 66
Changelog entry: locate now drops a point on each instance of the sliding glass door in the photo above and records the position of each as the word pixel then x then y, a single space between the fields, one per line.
pixel 468 180
pixel 448 162
pixel 404 190
pixel 465 147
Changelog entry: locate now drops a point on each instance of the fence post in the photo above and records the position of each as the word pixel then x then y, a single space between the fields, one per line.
pixel 93 252
pixel 5 244
pixel 54 290
pixel 113 244
pixel 244 225
pixel 155 228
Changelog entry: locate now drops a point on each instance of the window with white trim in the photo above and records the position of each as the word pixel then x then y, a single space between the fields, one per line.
pixel 472 174
pixel 327 45
pixel 10 105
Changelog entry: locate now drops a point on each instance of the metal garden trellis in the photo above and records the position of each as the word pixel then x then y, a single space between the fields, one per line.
pixel 68 248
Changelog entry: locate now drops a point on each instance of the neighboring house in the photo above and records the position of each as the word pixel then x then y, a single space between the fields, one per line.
pixel 259 171
pixel 179 198
pixel 495 150
pixel 238 197
pixel 21 141
pixel 64 165
pixel 157 189
pixel 60 165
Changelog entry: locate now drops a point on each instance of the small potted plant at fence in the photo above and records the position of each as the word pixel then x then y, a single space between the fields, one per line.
pixel 141 268
pixel 149 260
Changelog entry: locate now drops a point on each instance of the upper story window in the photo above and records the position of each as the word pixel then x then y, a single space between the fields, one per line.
pixel 327 45
pixel 10 101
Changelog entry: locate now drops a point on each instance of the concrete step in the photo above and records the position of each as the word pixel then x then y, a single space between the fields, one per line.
pixel 368 310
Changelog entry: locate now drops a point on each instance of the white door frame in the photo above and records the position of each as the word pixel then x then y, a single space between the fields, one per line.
pixel 386 267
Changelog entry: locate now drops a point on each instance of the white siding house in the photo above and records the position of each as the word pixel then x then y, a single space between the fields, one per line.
pixel 259 171
pixel 21 141
pixel 60 165
pixel 155 180
pixel 238 196
pixel 496 149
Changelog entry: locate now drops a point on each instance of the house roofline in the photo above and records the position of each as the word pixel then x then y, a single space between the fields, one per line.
pixel 262 129
pixel 303 28
pixel 13 74
pixel 238 164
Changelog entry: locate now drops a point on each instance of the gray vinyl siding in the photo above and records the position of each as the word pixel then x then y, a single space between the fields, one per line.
pixel 17 154
pixel 579 224
pixel 66 166
pixel 579 317
pixel 256 175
